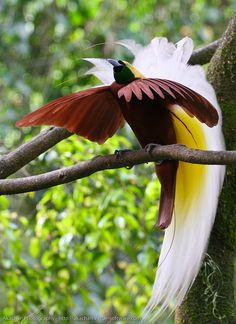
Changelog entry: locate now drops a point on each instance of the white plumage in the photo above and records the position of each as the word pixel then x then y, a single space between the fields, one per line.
pixel 186 238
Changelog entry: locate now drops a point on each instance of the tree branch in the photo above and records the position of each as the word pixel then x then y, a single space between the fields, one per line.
pixel 204 54
pixel 222 71
pixel 15 160
pixel 12 162
pixel 114 161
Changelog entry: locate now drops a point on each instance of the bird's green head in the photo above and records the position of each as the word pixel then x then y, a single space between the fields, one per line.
pixel 124 72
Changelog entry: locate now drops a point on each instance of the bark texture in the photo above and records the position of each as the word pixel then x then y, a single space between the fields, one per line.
pixel 211 299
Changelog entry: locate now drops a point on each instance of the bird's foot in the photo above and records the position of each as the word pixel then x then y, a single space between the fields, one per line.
pixel 150 147
pixel 118 153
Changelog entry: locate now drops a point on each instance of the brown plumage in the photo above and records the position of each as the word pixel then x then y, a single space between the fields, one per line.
pixel 147 106
pixel 93 113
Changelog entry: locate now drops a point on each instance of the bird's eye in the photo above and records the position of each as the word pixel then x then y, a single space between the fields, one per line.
pixel 118 68
pixel 121 62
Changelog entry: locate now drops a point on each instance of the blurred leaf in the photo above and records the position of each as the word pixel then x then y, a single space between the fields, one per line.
pixel 34 247
pixel 47 259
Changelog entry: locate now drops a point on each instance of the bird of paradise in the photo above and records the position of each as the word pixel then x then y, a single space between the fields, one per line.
pixel 165 101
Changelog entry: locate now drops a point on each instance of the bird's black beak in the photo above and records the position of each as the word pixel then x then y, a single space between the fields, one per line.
pixel 115 63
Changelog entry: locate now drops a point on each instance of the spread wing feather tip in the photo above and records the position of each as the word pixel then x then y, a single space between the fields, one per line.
pixel 94 114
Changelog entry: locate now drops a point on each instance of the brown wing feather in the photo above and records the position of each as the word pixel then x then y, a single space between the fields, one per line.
pixel 171 93
pixel 94 114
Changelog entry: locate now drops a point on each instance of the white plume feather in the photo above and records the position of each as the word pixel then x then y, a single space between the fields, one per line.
pixel 130 44
pixel 186 239
pixel 102 69
pixel 184 50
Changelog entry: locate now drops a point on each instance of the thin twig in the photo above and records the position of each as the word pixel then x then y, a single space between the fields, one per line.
pixel 112 161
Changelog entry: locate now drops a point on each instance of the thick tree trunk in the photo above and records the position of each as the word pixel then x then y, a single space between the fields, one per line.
pixel 211 299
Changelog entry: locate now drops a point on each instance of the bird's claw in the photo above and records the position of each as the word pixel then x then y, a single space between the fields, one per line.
pixel 118 153
pixel 149 147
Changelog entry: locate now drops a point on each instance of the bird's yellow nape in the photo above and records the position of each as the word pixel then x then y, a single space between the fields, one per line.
pixel 124 72
pixel 133 69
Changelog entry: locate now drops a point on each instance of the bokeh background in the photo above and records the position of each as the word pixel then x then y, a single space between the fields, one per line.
pixel 89 247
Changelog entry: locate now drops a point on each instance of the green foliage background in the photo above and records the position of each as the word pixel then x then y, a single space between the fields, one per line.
pixel 90 247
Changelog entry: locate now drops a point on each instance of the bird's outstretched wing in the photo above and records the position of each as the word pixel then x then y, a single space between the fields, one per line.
pixel 93 113
pixel 172 93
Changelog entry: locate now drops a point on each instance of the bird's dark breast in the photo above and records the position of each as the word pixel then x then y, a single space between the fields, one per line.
pixel 150 121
